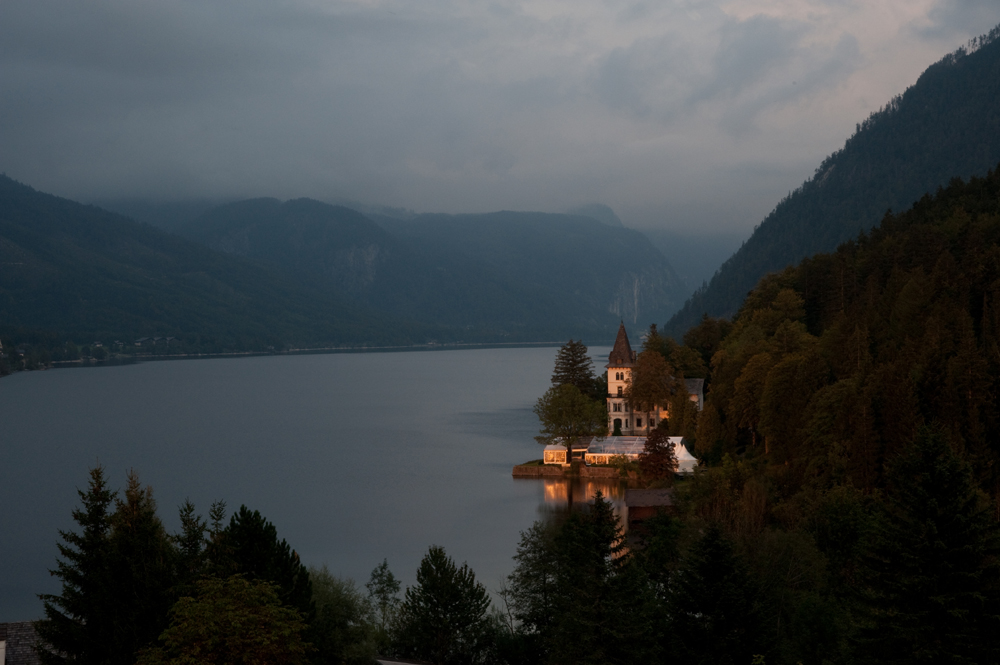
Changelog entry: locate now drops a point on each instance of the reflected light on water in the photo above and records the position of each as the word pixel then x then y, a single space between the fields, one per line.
pixel 557 492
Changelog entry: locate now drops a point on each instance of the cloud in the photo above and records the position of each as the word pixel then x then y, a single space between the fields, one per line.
pixel 955 19
pixel 659 109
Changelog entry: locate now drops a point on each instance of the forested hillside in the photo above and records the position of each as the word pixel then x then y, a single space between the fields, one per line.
pixel 831 367
pixel 580 270
pixel 85 274
pixel 946 125
pixel 500 276
pixel 846 509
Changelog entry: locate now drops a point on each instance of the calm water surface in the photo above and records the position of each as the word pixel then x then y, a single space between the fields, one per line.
pixel 354 457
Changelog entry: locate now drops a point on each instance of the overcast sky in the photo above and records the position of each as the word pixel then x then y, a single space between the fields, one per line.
pixel 687 114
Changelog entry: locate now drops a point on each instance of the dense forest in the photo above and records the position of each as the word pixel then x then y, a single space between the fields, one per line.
pixel 946 125
pixel 832 367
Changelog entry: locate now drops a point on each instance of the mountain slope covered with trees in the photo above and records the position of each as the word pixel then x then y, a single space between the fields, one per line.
pixel 946 125
pixel 832 367
pixel 87 274
pixel 505 275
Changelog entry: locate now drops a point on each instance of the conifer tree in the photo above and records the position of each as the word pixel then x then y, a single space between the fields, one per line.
pixel 444 616
pixel 574 366
pixel 658 459
pixel 118 579
pixel 532 585
pixel 249 546
pixel 143 560
pixel 77 625
pixel 383 594
pixel 190 543
pixel 932 579
pixel 602 602
pixel 713 615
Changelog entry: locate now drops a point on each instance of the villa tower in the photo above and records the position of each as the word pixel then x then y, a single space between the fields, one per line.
pixel 620 364
pixel 621 418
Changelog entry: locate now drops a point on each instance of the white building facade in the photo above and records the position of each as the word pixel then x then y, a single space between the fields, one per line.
pixel 622 420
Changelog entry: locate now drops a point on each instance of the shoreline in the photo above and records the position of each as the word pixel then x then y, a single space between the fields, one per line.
pixel 129 359
pixel 529 470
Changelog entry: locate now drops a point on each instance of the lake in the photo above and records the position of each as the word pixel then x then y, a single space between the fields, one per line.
pixel 355 457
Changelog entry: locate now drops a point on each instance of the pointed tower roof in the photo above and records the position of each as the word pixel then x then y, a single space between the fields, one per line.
pixel 622 354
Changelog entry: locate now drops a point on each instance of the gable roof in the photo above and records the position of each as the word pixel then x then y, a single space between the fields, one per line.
pixel 622 354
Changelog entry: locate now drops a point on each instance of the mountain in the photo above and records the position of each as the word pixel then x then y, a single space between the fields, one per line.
pixel 89 274
pixel 167 216
pixel 695 256
pixel 946 125
pixel 600 212
pixel 505 275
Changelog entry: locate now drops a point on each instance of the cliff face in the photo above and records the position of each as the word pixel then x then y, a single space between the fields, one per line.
pixel 639 296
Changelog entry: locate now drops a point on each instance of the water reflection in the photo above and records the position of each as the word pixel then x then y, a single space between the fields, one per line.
pixel 559 490
pixel 558 496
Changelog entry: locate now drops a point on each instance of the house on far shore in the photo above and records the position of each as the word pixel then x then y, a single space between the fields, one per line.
pixel 621 360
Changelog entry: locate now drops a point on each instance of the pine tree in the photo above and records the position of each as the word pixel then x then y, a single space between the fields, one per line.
pixel 249 546
pixel 574 366
pixel 932 579
pixel 190 543
pixel 713 616
pixel 602 602
pixel 143 561
pixel 118 577
pixel 444 616
pixel 77 625
pixel 658 460
pixel 383 594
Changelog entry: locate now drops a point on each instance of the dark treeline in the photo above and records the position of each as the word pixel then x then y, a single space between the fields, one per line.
pixel 946 125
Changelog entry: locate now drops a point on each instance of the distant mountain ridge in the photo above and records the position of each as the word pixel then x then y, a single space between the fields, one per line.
pixel 500 274
pixel 947 125
pixel 88 274
pixel 598 211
